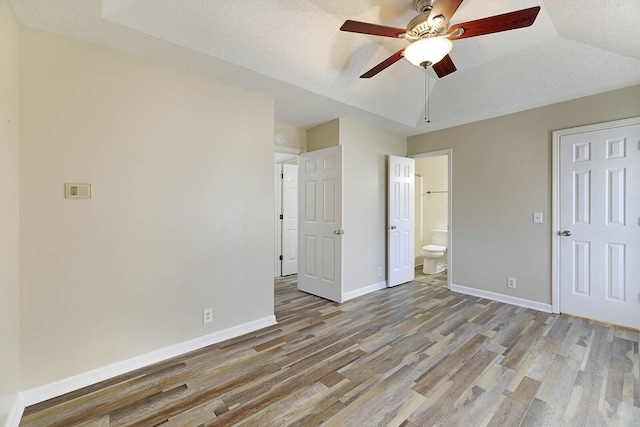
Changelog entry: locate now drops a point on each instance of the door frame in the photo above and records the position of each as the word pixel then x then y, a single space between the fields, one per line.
pixel 280 155
pixel 449 153
pixel 289 248
pixel 555 197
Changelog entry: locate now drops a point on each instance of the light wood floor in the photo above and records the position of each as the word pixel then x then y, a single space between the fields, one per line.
pixel 413 355
pixel 439 279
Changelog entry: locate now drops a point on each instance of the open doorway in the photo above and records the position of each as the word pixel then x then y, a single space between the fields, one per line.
pixel 433 195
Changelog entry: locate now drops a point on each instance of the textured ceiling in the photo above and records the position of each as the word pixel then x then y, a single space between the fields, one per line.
pixel 293 51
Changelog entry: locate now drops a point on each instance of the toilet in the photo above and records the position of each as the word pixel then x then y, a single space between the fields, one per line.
pixel 435 255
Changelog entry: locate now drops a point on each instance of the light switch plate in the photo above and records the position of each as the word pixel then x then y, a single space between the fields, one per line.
pixel 537 217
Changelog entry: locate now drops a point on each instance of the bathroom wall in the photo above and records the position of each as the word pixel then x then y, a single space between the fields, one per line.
pixel 432 210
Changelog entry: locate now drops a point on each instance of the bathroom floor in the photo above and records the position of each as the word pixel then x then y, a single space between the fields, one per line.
pixel 439 279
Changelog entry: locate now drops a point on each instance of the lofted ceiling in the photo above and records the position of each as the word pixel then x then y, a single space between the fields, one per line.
pixel 293 51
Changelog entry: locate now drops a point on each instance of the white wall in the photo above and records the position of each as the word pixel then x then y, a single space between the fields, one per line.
pixel 182 198
pixel 365 201
pixel 9 286
pixel 501 175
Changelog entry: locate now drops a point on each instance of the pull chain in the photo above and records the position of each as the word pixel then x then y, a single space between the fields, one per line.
pixel 427 118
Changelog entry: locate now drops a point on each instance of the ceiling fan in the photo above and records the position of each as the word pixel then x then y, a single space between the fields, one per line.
pixel 430 35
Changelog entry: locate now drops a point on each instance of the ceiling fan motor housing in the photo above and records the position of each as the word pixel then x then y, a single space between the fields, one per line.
pixel 425 26
pixel 423 6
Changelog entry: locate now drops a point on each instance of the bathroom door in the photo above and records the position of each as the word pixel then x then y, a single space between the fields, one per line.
pixel 320 229
pixel 599 222
pixel 400 221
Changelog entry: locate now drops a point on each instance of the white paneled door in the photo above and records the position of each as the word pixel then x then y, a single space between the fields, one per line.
pixel 400 227
pixel 320 227
pixel 289 219
pixel 599 223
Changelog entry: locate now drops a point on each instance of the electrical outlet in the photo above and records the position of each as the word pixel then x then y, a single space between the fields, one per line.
pixel 379 271
pixel 207 315
pixel 511 282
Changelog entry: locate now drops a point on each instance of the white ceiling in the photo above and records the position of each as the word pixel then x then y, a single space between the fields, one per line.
pixel 293 51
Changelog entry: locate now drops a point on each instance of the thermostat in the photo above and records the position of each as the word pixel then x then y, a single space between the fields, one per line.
pixel 77 191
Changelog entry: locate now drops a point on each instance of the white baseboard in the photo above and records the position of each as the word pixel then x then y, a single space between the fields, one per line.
pixel 48 391
pixel 534 305
pixel 364 291
pixel 15 413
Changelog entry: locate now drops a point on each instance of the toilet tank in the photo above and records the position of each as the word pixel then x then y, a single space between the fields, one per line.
pixel 439 237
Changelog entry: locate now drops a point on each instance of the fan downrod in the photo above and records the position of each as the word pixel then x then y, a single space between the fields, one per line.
pixel 423 6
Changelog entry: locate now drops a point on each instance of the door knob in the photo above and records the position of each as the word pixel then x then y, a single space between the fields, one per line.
pixel 566 233
pixel 338 232
pixel 393 227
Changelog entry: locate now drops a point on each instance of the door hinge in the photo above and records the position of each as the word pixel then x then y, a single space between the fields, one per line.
pixel 281 216
pixel 281 258
pixel 281 175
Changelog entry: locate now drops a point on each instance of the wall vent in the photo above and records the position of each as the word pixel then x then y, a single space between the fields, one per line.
pixel 77 191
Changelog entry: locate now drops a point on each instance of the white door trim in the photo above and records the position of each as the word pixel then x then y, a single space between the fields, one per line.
pixel 555 198
pixel 277 268
pixel 449 153
pixel 285 153
pixel 280 156
pixel 289 221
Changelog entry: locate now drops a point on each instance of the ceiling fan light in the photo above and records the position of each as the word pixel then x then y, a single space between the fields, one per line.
pixel 428 51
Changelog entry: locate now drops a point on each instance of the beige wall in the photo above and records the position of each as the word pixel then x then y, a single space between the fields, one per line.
pixel 294 137
pixel 9 290
pixel 364 166
pixel 324 135
pixel 501 175
pixel 365 201
pixel 182 198
pixel 431 209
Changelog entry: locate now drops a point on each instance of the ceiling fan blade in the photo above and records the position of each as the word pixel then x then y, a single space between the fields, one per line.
pixel 384 64
pixel 495 24
pixel 373 29
pixel 444 67
pixel 446 8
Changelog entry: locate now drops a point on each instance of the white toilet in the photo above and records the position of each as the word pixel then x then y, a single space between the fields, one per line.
pixel 435 255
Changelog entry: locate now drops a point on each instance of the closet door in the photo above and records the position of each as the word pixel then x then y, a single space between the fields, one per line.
pixel 599 229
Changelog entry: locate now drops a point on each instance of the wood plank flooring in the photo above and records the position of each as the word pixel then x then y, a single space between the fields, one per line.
pixel 413 355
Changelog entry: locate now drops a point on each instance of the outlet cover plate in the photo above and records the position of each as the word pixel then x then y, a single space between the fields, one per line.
pixel 207 315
